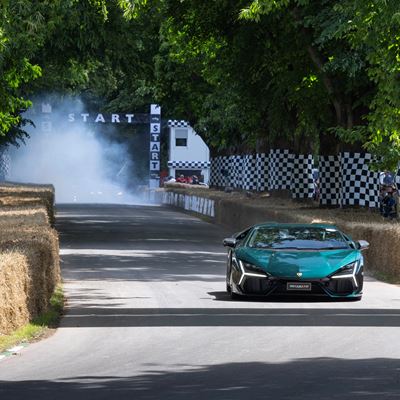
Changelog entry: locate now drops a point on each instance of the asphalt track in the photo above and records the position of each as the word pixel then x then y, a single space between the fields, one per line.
pixel 148 318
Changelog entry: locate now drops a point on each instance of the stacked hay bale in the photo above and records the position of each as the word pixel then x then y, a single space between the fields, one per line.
pixel 29 253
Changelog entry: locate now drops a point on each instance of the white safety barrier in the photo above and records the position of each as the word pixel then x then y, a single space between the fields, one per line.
pixel 188 202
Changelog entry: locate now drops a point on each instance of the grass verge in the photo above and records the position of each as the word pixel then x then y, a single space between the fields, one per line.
pixel 40 326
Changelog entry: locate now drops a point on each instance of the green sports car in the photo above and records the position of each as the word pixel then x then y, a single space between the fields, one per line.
pixel 288 259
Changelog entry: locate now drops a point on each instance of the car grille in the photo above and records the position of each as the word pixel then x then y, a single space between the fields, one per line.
pixel 257 285
pixel 340 286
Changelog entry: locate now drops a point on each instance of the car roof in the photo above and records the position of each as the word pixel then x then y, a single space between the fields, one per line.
pixel 292 225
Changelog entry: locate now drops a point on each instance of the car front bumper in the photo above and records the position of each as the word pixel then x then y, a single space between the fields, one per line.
pixel 271 286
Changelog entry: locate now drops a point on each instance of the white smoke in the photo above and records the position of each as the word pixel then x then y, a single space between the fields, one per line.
pixel 82 165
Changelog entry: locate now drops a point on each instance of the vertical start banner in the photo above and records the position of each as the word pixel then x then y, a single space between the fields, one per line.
pixel 155 133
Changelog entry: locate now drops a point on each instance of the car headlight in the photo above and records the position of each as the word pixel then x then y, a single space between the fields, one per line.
pixel 251 269
pixel 348 271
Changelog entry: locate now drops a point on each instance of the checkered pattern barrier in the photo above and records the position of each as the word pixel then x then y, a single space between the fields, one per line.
pixel 344 179
pixel 220 171
pixel 360 186
pixel 173 123
pixel 246 172
pixel 302 183
pixel 262 172
pixel 5 163
pixel 280 165
pixel 329 180
pixel 189 164
pixel 249 175
pixel 397 177
pixel 236 167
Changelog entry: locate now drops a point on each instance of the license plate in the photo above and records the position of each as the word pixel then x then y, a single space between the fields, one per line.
pixel 298 286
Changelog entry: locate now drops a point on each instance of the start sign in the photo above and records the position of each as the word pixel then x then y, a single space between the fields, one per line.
pixel 102 118
pixel 155 131
pixel 154 121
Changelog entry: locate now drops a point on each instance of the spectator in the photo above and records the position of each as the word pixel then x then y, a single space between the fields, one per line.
pixel 386 178
pixel 170 179
pixel 181 179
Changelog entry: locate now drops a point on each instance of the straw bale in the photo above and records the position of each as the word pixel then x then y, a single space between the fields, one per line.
pixel 14 281
pixel 23 215
pixel 29 253
pixel 28 194
pixel 38 247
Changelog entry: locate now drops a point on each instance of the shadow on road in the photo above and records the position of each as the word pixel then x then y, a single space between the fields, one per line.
pixel 224 296
pixel 145 266
pixel 311 379
pixel 238 317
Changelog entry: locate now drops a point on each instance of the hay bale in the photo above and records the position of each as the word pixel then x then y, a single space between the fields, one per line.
pixel 14 281
pixel 24 194
pixel 29 253
pixel 23 215
pixel 35 259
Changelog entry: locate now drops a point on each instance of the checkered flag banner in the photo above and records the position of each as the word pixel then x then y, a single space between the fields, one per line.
pixel 249 175
pixel 397 177
pixel 236 168
pixel 248 172
pixel 330 180
pixel 189 164
pixel 360 186
pixel 5 163
pixel 344 180
pixel 173 123
pixel 220 171
pixel 280 166
pixel 302 183
pixel 262 172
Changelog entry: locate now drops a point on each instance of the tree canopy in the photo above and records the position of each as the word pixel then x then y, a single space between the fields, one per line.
pixel 314 75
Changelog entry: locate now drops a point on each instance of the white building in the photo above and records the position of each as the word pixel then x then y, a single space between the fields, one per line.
pixel 188 154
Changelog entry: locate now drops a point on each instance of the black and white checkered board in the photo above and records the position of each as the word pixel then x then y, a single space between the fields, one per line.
pixel 189 164
pixel 330 180
pixel 249 175
pixel 236 163
pixel 220 171
pixel 214 172
pixel 280 165
pixel 344 179
pixel 262 172
pixel 397 177
pixel 5 163
pixel 360 186
pixel 302 183
pixel 173 123
pixel 247 172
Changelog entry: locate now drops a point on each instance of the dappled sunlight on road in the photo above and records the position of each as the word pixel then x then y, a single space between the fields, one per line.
pixel 308 378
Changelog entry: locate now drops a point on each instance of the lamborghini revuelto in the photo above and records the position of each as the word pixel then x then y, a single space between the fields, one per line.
pixel 292 259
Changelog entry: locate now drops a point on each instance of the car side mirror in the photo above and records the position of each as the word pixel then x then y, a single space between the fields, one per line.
pixel 229 242
pixel 362 245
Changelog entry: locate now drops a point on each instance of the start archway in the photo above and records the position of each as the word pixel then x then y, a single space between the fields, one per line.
pixel 152 119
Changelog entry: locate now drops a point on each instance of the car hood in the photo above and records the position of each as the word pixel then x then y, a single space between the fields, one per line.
pixel 287 263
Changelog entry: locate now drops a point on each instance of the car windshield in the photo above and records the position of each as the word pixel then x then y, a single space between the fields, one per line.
pixel 299 238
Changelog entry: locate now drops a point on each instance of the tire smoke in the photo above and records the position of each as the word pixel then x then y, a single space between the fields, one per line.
pixel 78 159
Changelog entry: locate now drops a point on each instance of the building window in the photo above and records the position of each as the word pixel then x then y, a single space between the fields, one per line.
pixel 181 137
